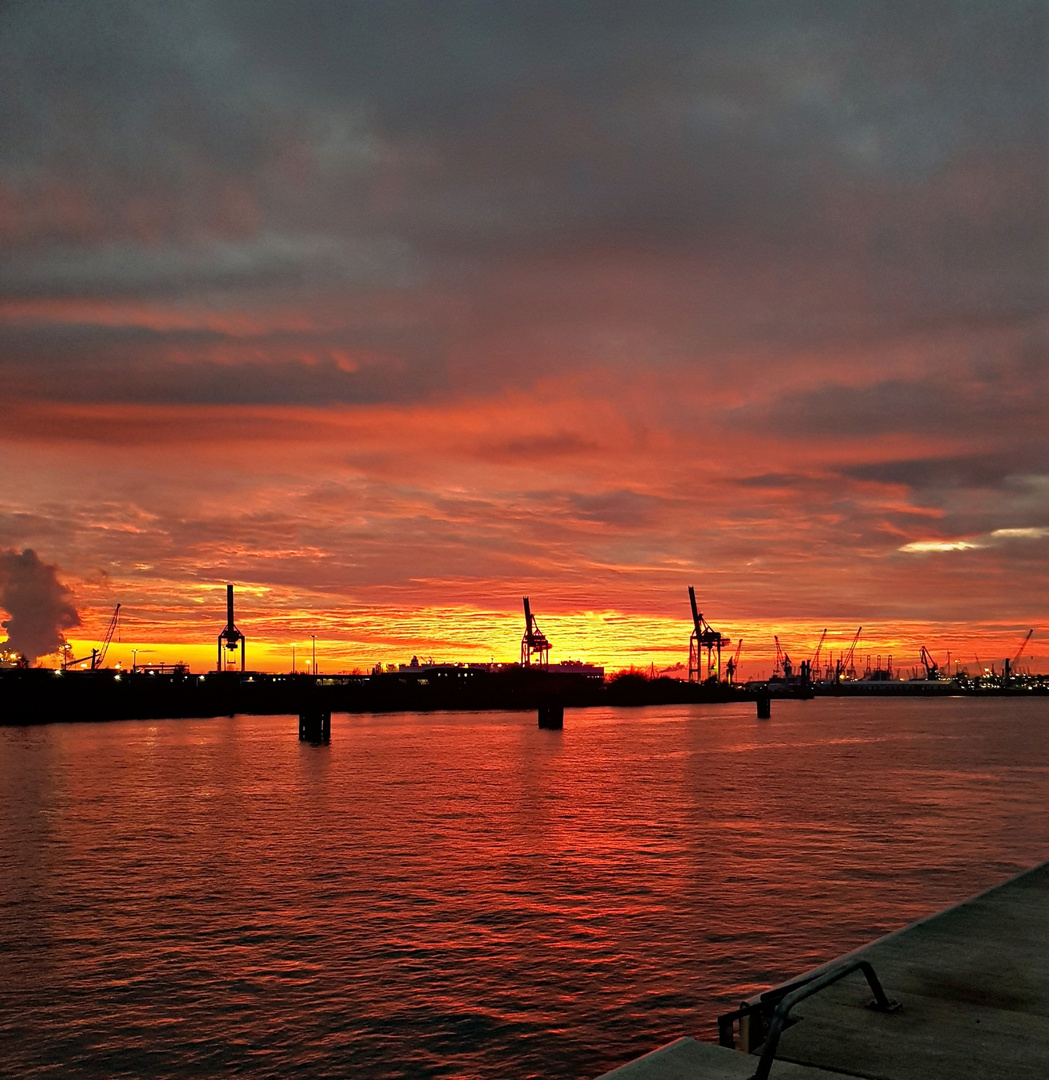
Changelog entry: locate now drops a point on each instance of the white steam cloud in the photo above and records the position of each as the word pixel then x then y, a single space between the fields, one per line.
pixel 39 605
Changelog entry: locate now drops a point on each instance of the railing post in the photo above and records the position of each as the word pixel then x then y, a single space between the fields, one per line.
pixel 726 1036
pixel 806 990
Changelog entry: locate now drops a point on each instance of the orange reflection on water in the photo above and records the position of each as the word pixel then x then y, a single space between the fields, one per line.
pixel 471 895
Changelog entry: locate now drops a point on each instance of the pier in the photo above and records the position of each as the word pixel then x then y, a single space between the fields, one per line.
pixel 38 695
pixel 966 993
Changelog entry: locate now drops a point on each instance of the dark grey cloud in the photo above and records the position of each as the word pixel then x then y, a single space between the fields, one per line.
pixel 217 267
pixel 623 508
pixel 808 170
pixel 1003 396
pixel 961 471
pixel 136 364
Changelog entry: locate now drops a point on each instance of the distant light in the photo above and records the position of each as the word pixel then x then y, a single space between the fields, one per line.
pixel 116 678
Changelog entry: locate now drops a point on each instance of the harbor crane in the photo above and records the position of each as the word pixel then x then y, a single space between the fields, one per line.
pixel 733 663
pixel 932 669
pixel 784 668
pixel 846 665
pixel 814 663
pixel 704 636
pixel 534 643
pixel 230 635
pixel 98 656
pixel 1011 664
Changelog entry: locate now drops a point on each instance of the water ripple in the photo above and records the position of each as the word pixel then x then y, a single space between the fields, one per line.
pixel 465 895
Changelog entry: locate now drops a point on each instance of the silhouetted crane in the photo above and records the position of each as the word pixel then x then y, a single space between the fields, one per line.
pixel 98 656
pixel 1010 664
pixel 534 643
pixel 733 663
pixel 846 665
pixel 230 635
pixel 814 663
pixel 110 631
pixel 703 637
pixel 932 669
pixel 784 668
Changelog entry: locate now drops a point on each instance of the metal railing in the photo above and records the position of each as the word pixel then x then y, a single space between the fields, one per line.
pixel 762 1018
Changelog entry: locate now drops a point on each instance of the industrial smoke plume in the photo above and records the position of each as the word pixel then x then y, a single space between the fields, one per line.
pixel 39 605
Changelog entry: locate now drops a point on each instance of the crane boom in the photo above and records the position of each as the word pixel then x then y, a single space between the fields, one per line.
pixel 1010 664
pixel 1019 651
pixel 697 619
pixel 98 656
pixel 814 664
pixel 534 642
pixel 845 662
pixel 108 638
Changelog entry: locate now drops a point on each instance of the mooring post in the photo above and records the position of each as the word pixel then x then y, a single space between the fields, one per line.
pixel 764 706
pixel 315 725
pixel 552 715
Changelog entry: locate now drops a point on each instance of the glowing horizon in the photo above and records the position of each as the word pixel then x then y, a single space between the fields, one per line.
pixel 615 640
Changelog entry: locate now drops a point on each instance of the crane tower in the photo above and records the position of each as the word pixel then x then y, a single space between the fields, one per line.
pixel 534 644
pixel 704 637
pixel 230 636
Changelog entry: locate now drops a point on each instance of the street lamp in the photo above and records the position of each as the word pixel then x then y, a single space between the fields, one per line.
pixel 134 659
pixel 314 637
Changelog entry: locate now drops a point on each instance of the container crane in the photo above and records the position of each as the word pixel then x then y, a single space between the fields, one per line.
pixel 1010 664
pixel 98 656
pixel 703 637
pixel 230 635
pixel 932 669
pixel 534 643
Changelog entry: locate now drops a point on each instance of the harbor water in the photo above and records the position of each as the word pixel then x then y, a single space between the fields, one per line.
pixel 465 895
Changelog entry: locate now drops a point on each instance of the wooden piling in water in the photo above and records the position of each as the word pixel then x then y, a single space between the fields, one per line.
pixel 552 716
pixel 315 725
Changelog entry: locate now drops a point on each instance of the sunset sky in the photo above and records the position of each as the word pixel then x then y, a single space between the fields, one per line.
pixel 394 313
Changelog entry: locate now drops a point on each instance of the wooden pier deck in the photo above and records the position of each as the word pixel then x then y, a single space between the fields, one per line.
pixel 972 983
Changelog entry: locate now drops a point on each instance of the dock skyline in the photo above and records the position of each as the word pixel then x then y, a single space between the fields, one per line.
pixel 611 639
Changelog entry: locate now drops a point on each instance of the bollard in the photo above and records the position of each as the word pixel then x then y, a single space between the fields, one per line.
pixel 315 726
pixel 552 716
pixel 764 707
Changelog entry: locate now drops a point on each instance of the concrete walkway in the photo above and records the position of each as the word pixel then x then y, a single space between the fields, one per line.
pixel 974 985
